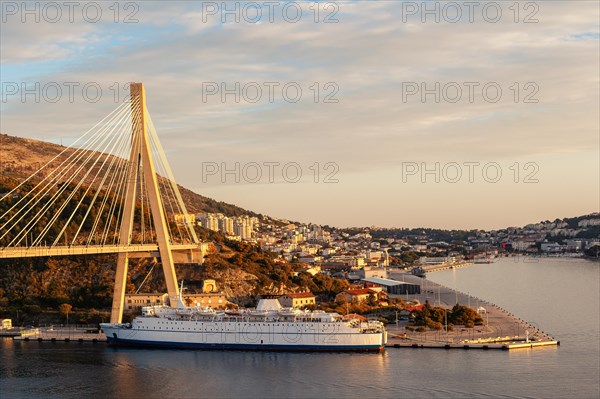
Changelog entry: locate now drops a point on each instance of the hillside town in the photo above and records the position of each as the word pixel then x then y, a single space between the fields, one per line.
pixel 330 249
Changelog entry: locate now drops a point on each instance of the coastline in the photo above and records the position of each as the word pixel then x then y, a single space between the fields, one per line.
pixel 501 328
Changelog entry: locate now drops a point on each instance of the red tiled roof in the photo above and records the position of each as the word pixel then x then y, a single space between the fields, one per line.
pixel 300 295
pixel 416 307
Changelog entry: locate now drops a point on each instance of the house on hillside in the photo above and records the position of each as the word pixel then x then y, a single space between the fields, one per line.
pixel 361 295
pixel 297 300
pixel 214 300
pixel 137 301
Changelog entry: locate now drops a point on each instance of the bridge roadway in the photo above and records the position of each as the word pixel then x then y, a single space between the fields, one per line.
pixel 135 250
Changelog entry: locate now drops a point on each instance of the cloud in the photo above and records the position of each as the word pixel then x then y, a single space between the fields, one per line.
pixel 369 56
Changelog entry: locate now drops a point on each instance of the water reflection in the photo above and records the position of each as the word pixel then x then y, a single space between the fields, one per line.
pixel 74 370
pixel 233 374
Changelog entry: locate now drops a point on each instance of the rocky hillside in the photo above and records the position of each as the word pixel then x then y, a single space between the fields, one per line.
pixel 20 157
pixel 36 285
pixel 242 271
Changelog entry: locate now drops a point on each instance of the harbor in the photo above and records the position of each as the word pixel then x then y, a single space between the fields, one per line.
pixel 500 330
pixel 401 371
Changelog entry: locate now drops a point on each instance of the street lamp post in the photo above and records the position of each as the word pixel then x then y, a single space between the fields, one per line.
pixel 446 323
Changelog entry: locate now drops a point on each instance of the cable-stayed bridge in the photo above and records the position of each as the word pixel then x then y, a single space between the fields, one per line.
pixel 111 192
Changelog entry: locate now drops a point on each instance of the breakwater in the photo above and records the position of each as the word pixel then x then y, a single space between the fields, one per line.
pixel 500 330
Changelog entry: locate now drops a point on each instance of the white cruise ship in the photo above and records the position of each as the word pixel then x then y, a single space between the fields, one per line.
pixel 268 327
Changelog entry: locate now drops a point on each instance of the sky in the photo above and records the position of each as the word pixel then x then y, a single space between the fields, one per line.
pixel 455 115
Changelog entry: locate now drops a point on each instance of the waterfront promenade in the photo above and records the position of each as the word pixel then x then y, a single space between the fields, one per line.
pixel 500 327
pixel 62 334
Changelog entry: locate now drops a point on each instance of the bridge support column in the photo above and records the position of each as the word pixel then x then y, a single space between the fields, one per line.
pixel 116 315
pixel 140 161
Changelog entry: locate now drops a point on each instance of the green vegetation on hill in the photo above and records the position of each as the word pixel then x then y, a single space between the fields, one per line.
pixel 196 203
pixel 39 285
pixel 436 317
pixel 415 233
pixel 242 270
pixel 593 252
pixel 84 282
pixel 274 276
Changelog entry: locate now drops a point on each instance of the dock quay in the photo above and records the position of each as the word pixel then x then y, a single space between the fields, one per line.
pixel 61 335
pixel 445 266
pixel 469 345
pixel 11 332
pixel 501 329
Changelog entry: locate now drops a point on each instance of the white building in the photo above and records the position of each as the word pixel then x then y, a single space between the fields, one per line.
pixel 522 245
pixel 208 221
pixel 437 260
pixel 589 222
pixel 185 218
pixel 243 227
pixel 226 225
pixel 551 247
pixel 328 251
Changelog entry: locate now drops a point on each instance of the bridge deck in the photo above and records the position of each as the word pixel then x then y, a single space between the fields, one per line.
pixel 25 252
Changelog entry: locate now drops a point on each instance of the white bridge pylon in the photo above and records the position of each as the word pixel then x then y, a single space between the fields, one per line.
pixel 113 193
pixel 141 160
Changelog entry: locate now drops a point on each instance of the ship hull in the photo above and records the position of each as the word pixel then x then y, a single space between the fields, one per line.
pixel 251 347
pixel 330 337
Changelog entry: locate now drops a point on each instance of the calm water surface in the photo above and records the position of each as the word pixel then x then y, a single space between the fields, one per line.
pixel 561 296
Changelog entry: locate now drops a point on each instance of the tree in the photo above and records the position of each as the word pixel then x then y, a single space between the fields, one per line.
pixel 593 252
pixel 65 309
pixel 464 315
pixel 372 300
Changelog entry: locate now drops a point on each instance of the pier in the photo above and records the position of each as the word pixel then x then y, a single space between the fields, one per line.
pixel 444 266
pixel 469 345
pixel 500 330
pixel 61 334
